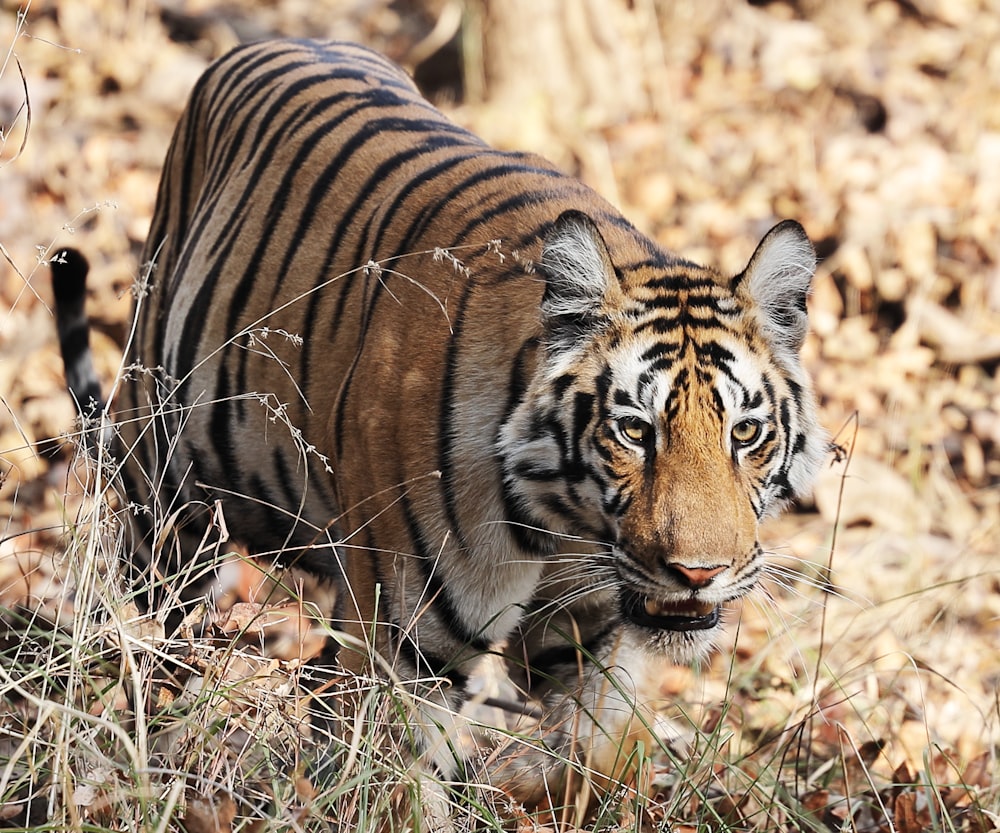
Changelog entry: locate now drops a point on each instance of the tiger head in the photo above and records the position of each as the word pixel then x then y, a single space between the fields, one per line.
pixel 669 414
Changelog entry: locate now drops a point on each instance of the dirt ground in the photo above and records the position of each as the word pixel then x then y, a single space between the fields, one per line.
pixel 875 124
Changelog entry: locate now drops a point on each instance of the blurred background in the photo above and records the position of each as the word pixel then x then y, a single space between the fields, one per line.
pixel 875 123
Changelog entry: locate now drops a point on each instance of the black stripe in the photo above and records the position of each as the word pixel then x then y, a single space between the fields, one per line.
pixel 446 430
pixel 521 371
pixel 662 349
pixel 221 428
pixel 583 411
pixel 660 325
pixel 537 472
pixel 285 188
pixel 189 344
pixel 361 198
pixel 369 244
pixel 422 660
pixel 713 354
pixel 625 399
pixel 280 197
pixel 268 519
pixel 520 199
pixel 548 662
pixel 503 166
pixel 528 533
pixel 365 252
pixel 617 503
pixel 678 280
pixel 443 604
pixel 239 113
pixel 223 77
pixel 359 202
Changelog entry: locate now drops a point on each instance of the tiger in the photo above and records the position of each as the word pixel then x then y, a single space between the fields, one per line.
pixel 456 385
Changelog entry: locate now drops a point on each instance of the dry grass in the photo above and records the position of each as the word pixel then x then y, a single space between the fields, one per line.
pixel 861 695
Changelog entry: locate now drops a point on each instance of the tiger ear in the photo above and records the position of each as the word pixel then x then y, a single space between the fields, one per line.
pixel 778 278
pixel 579 277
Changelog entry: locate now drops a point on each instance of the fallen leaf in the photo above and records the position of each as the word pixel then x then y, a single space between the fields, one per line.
pixel 209 815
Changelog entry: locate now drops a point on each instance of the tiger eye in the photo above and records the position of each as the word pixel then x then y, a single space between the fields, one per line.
pixel 746 431
pixel 635 430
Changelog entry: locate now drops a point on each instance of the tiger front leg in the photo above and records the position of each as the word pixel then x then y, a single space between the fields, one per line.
pixel 599 720
pixel 379 720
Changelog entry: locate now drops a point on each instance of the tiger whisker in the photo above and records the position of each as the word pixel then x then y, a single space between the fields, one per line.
pixel 769 609
pixel 565 536
pixel 787 579
pixel 577 595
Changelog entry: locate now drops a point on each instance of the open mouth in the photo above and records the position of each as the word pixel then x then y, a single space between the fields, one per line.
pixel 687 615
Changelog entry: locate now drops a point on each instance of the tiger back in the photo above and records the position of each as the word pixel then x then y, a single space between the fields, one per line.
pixel 456 384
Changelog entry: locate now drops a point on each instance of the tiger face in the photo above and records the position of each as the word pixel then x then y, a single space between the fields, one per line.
pixel 670 417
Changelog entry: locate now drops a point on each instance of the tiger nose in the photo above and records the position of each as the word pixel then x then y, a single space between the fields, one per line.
pixel 695 577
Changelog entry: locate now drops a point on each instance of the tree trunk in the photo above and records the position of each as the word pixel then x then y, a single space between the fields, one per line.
pixel 584 57
pixel 555 70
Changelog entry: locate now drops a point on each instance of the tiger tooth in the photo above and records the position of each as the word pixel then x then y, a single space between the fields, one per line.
pixel 687 608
